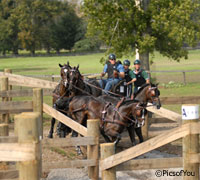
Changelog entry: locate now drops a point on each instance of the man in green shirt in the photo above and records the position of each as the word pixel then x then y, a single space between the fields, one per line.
pixel 139 76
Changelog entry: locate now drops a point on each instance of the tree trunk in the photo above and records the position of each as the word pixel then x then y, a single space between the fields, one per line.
pixel 15 51
pixel 144 57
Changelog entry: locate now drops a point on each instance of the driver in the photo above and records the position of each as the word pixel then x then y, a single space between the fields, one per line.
pixel 115 71
pixel 139 77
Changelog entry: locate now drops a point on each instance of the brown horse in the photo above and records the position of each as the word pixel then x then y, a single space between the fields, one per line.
pixel 61 91
pixel 147 93
pixel 78 86
pixel 113 118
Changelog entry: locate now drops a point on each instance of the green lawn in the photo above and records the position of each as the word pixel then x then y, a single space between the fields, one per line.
pixel 90 64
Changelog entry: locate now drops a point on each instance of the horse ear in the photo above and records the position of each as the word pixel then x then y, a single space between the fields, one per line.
pixel 60 65
pixel 157 84
pixel 67 63
pixel 77 67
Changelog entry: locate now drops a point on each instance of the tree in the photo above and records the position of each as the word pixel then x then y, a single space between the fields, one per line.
pixel 33 16
pixel 161 25
pixel 66 28
pixel 9 27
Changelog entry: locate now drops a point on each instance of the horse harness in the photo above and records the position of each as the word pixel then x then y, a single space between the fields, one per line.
pixel 116 109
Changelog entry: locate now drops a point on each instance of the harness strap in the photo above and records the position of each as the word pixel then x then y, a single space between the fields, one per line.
pixel 116 122
pixel 80 109
pixel 104 113
pixel 119 103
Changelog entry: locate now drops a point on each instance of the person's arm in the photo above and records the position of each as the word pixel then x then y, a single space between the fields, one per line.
pixel 121 71
pixel 132 81
pixel 133 77
pixel 104 70
pixel 146 77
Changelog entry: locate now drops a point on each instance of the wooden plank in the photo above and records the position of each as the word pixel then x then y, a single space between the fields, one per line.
pixel 180 100
pixel 68 164
pixel 19 80
pixel 160 120
pixel 17 93
pixel 65 120
pixel 9 174
pixel 17 152
pixel 16 106
pixel 165 113
pixel 23 93
pixel 8 139
pixel 146 146
pixel 79 141
pixel 153 163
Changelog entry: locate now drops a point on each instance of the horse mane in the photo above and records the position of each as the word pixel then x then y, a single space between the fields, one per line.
pixel 129 101
pixel 141 88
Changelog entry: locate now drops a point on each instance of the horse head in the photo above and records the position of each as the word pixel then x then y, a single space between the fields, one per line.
pixel 139 112
pixel 153 94
pixel 74 77
pixel 64 73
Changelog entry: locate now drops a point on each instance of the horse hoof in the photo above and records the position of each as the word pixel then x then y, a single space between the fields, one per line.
pixel 50 136
pixel 134 144
pixel 62 134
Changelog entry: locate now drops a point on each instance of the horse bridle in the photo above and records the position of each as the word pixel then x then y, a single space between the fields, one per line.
pixel 116 109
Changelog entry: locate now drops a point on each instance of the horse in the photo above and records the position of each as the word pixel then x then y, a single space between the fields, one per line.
pixel 71 85
pixel 147 93
pixel 78 86
pixel 61 91
pixel 113 119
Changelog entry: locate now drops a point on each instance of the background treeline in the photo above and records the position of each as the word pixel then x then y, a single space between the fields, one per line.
pixel 42 24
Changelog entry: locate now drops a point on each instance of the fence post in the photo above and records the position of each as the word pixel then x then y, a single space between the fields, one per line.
pixel 10 86
pixel 4 130
pixel 108 149
pixel 93 150
pixel 29 133
pixel 184 78
pixel 190 114
pixel 4 87
pixel 38 107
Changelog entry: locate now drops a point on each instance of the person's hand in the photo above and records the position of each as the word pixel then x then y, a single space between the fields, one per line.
pixel 102 74
pixel 115 74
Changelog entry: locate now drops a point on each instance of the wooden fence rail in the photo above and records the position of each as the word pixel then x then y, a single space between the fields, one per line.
pixel 19 80
pixel 23 93
pixel 64 119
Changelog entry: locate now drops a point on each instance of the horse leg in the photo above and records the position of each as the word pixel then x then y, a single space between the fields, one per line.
pixel 139 134
pixel 63 130
pixel 53 120
pixel 78 148
pixel 131 132
pixel 117 140
pixel 107 139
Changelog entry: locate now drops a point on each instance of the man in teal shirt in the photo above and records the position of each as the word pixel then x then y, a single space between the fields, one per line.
pixel 139 76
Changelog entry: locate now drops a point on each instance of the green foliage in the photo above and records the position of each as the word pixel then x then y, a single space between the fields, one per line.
pixel 33 16
pixel 37 24
pixel 8 27
pixel 88 44
pixel 161 25
pixel 64 29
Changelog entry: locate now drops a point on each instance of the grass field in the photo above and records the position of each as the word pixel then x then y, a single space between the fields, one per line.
pixel 90 64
